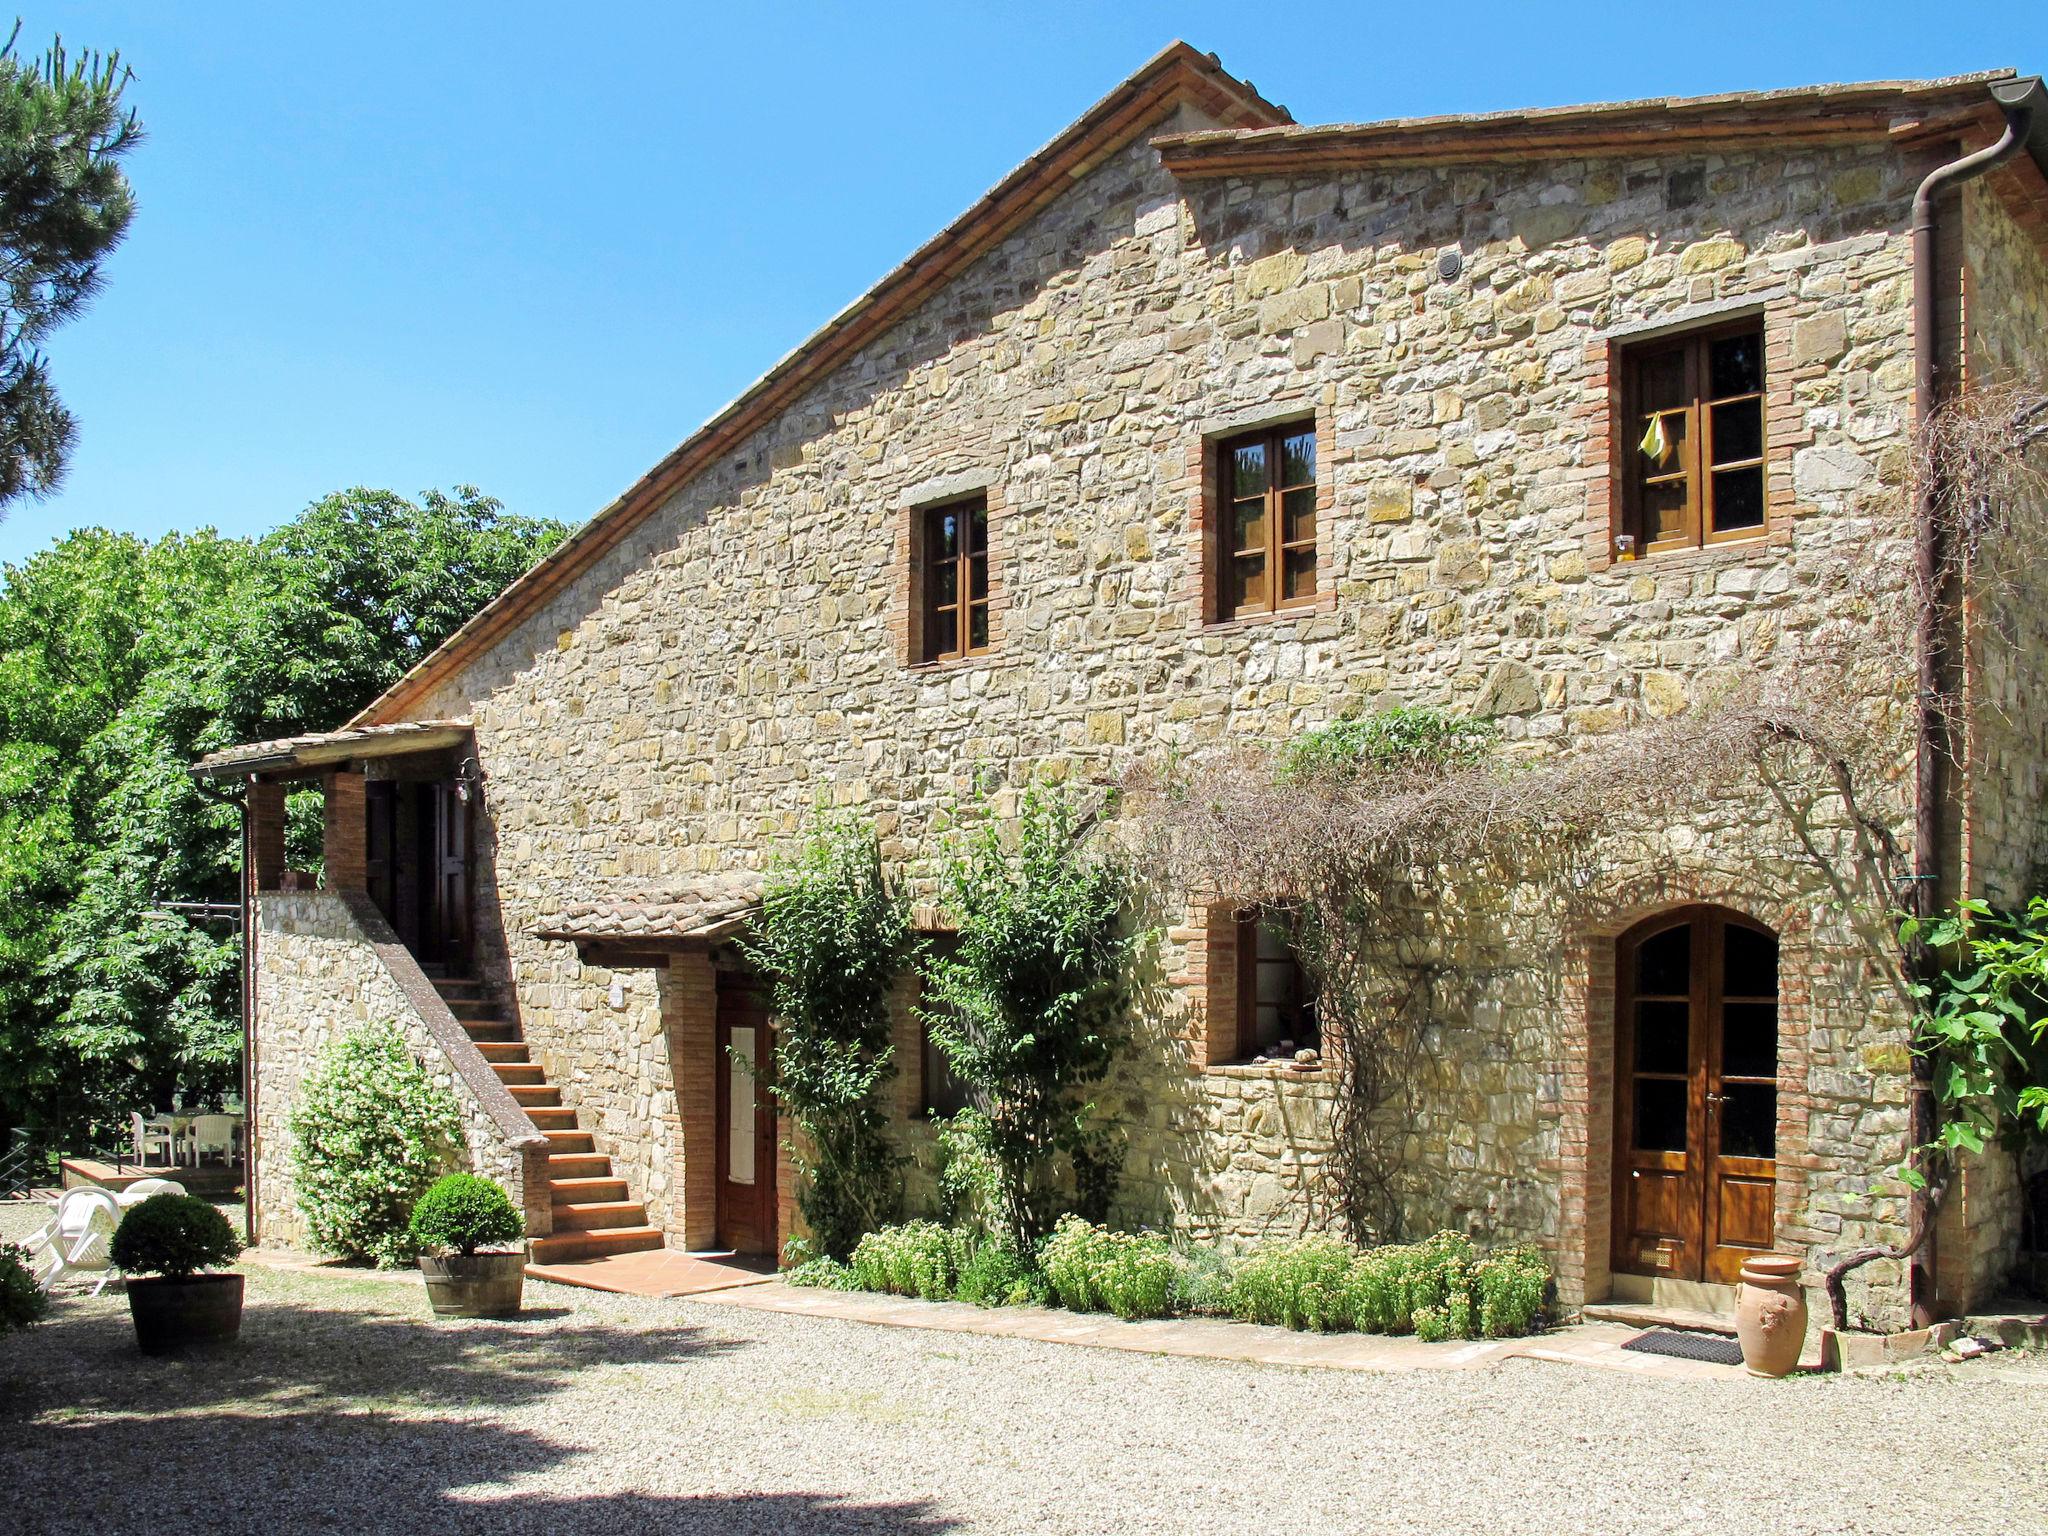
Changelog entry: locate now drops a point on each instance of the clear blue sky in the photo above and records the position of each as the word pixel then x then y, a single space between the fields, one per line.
pixel 533 247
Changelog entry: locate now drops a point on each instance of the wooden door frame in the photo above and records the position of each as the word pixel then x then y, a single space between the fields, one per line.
pixel 1706 1039
pixel 766 1126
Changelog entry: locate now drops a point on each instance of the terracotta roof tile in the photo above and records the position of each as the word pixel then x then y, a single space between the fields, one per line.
pixel 324 746
pixel 721 905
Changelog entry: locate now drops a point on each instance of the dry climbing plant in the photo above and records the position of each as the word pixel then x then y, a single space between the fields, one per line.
pixel 1364 845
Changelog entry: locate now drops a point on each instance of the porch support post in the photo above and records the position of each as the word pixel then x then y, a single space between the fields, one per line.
pixel 346 833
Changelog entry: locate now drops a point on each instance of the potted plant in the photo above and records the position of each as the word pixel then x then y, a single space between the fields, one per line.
pixel 173 1238
pixel 459 1215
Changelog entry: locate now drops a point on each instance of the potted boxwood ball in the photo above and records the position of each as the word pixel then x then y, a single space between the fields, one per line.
pixel 459 1216
pixel 163 1246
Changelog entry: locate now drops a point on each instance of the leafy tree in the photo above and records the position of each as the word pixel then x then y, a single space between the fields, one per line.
pixel 1030 1008
pixel 832 936
pixel 121 661
pixel 64 204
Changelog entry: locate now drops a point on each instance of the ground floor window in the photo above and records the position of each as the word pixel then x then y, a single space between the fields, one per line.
pixel 1276 1009
pixel 943 1091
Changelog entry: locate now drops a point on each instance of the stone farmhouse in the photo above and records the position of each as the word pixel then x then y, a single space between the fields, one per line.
pixel 1202 428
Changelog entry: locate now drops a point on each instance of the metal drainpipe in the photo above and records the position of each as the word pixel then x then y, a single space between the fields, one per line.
pixel 2016 100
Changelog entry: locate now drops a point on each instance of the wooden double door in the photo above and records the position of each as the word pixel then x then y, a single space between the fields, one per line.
pixel 419 868
pixel 745 1124
pixel 1696 1095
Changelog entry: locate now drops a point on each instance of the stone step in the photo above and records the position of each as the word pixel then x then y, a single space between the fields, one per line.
pixel 520 1073
pixel 1632 1314
pixel 467 1008
pixel 572 1189
pixel 599 1215
pixel 592 1245
pixel 551 1117
pixel 566 1140
pixel 502 1052
pixel 461 986
pixel 573 1167
pixel 532 1094
pixel 481 1030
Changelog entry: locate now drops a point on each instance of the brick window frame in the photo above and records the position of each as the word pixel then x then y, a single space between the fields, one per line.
pixel 1608 440
pixel 907 568
pixel 1215 976
pixel 1202 584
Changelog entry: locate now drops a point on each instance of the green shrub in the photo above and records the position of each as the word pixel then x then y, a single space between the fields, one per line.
pixel 1202 1282
pixel 995 1275
pixel 1303 1284
pixel 1513 1286
pixel 1383 738
pixel 22 1301
pixel 823 1273
pixel 463 1213
pixel 1095 1269
pixel 371 1132
pixel 175 1236
pixel 918 1258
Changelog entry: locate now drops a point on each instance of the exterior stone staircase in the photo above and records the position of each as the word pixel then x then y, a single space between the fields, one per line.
pixel 594 1217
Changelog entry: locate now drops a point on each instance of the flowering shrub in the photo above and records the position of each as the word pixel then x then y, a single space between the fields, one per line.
pixel 1095 1269
pixel 1441 1288
pixel 371 1131
pixel 919 1258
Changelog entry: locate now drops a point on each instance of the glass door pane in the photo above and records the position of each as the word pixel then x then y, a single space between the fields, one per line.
pixel 739 1146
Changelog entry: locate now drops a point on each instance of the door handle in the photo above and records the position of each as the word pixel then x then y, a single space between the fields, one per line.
pixel 1717 1098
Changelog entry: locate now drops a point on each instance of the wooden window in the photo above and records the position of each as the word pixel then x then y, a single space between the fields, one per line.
pixel 1276 1011
pixel 952 579
pixel 1692 438
pixel 1266 528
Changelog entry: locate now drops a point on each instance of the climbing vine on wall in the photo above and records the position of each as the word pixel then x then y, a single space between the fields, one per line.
pixel 833 935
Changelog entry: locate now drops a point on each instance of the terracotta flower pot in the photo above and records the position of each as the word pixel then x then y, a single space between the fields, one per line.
pixel 197 1311
pixel 1770 1319
pixel 482 1285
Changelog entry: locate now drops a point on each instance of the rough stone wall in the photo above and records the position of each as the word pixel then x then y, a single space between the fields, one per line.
pixel 2006 340
pixel 320 977
pixel 682 706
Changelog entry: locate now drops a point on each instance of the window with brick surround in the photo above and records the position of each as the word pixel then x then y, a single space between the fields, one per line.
pixel 1265 517
pixel 1691 439
pixel 949 579
pixel 1276 1009
pixel 942 1091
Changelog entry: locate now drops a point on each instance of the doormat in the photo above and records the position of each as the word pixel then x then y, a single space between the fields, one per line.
pixel 1710 1347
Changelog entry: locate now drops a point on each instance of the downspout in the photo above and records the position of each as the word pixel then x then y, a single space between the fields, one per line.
pixel 2016 99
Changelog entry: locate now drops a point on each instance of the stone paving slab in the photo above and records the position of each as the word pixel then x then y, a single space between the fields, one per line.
pixel 1593 1344
pixel 654 1272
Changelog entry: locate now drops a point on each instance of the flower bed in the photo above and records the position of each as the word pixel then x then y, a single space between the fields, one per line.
pixel 1441 1288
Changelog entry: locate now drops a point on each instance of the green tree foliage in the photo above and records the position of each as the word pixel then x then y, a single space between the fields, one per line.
pixel 1032 1006
pixel 832 937
pixel 122 660
pixel 370 1135
pixel 64 204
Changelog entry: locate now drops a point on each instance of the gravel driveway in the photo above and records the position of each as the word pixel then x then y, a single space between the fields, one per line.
pixel 346 1408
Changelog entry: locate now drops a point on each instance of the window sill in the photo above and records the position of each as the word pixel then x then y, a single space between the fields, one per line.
pixel 957 663
pixel 1269 1069
pixel 1250 621
pixel 1726 552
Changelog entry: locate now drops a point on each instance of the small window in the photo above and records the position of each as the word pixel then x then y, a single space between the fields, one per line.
pixel 1276 1011
pixel 952 580
pixel 1266 528
pixel 1692 439
pixel 944 1091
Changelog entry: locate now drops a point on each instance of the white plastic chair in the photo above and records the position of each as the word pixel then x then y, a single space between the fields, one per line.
pixel 211 1133
pixel 77 1238
pixel 156 1134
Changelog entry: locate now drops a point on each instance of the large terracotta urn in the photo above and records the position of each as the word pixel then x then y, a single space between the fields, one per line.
pixel 1770 1317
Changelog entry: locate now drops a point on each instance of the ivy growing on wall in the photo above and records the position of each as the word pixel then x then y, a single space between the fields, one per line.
pixel 832 937
pixel 1031 1007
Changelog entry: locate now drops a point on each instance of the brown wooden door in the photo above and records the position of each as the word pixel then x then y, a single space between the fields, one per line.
pixel 746 1120
pixel 1696 1095
pixel 450 927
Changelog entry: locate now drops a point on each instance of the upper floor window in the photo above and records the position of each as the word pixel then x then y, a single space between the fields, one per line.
pixel 952 580
pixel 1266 544
pixel 1692 438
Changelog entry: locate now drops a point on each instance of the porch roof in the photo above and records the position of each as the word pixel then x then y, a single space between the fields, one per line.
pixel 715 909
pixel 322 748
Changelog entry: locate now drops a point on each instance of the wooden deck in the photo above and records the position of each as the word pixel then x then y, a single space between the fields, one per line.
pixel 206 1179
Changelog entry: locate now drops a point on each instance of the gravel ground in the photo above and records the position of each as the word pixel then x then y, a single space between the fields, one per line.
pixel 346 1407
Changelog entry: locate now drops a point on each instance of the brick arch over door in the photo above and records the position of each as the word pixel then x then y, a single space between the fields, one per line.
pixel 1585 1099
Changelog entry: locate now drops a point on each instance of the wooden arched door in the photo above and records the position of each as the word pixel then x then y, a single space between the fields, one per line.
pixel 1696 1095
